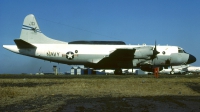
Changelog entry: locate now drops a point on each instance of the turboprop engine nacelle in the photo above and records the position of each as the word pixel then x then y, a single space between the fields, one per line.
pixel 143 53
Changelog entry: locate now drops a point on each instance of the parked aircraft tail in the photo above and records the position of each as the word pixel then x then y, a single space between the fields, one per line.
pixel 31 32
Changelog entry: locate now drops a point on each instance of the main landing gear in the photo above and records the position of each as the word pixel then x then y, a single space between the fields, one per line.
pixel 172 72
pixel 118 71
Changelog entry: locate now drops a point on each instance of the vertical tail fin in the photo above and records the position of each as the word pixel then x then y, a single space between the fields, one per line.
pixel 31 32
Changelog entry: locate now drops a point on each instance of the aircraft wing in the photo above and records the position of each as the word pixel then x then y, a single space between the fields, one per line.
pixel 122 54
pixel 126 54
pixel 116 55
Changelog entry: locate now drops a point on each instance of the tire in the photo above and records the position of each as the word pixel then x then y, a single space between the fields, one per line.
pixel 171 72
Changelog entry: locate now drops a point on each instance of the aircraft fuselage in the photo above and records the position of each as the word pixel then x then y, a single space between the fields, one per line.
pixel 89 55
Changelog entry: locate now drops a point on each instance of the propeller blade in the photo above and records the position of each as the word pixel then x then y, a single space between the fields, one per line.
pixel 155 52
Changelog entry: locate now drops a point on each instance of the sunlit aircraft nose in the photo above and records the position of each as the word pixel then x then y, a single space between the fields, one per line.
pixel 191 59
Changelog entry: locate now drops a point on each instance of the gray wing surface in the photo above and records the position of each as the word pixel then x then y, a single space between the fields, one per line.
pixel 122 54
pixel 117 58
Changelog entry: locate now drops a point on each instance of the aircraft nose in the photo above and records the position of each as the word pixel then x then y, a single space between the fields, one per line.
pixel 191 59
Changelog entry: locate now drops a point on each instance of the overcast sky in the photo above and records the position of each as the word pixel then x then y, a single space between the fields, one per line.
pixel 172 22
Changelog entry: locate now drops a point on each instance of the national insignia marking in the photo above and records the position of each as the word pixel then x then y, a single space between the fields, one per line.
pixel 70 55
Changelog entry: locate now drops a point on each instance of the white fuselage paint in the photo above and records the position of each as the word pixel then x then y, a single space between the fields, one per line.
pixel 82 53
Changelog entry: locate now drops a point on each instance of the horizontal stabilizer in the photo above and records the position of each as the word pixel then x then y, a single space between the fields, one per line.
pixel 23 44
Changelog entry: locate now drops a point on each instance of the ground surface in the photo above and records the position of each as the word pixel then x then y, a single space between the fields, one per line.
pixel 100 93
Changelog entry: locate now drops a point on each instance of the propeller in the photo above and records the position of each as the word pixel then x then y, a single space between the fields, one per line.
pixel 155 52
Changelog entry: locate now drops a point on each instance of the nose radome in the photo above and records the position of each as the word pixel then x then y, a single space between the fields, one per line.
pixel 191 59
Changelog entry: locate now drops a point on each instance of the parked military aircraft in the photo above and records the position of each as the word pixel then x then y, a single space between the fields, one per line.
pixel 191 69
pixel 181 69
pixel 124 71
pixel 173 70
pixel 95 54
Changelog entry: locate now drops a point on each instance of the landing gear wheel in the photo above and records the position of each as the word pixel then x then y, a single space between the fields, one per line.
pixel 171 72
pixel 118 71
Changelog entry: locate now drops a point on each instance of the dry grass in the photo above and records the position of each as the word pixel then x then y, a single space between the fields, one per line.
pixel 19 89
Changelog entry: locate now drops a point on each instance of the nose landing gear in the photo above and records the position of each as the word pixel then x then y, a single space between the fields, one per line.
pixel 172 72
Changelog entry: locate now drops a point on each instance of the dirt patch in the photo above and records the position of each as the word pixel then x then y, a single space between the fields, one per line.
pixel 38 103
pixel 136 104
pixel 27 84
pixel 194 86
pixel 71 103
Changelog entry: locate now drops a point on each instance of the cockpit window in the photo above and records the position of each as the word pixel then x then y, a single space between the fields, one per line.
pixel 180 50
